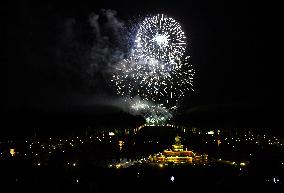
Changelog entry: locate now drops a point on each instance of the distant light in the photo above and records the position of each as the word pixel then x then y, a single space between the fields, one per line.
pixel 77 181
pixel 111 133
pixel 38 163
pixel 161 165
pixel 12 152
pixel 218 142
pixel 74 164
pixel 172 178
pixel 210 132
pixel 117 166
pixel 242 163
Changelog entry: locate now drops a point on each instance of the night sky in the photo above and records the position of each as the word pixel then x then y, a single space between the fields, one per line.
pixel 233 46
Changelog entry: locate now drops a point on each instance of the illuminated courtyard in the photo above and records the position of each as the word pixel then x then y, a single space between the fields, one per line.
pixel 178 155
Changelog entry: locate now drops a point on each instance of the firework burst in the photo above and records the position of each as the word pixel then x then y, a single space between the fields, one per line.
pixel 157 69
pixel 162 38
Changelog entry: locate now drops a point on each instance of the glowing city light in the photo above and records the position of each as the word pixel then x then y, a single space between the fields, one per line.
pixel 120 144
pixel 12 152
pixel 111 133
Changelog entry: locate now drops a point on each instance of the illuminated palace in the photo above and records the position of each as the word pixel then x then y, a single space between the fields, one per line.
pixel 178 155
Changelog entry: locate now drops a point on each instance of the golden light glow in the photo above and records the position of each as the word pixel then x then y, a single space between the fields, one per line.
pixel 218 142
pixel 12 152
pixel 242 163
pixel 120 144
pixel 178 155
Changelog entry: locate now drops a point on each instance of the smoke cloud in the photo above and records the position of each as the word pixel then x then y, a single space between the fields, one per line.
pixel 110 42
pixel 88 52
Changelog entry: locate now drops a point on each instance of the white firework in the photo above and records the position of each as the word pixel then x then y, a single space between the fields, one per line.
pixel 140 78
pixel 153 113
pixel 162 38
pixel 157 69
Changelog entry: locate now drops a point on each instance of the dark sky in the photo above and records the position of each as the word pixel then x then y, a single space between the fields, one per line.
pixel 232 46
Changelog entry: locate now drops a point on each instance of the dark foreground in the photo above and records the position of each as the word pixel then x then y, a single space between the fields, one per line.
pixel 214 177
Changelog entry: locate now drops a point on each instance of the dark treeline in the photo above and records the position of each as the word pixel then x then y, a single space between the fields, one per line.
pixel 233 117
pixel 45 124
